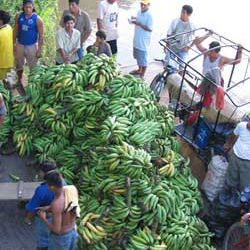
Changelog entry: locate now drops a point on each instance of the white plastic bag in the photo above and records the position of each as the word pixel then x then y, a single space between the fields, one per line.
pixel 215 177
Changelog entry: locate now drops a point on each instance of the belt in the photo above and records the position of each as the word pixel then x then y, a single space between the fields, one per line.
pixel 70 231
pixel 241 158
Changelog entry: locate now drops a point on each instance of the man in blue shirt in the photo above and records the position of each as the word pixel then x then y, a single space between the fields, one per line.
pixel 27 39
pixel 143 29
pixel 42 198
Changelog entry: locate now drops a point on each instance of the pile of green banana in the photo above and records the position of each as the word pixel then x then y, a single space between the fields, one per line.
pixel 115 143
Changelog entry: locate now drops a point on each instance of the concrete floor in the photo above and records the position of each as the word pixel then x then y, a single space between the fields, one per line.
pixel 14 234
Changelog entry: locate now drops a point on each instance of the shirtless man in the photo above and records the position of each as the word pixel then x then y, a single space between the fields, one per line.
pixel 63 226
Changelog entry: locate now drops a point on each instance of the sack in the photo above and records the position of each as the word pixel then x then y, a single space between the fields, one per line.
pixel 215 177
pixel 225 210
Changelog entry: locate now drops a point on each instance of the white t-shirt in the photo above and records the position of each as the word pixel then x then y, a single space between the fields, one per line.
pixel 242 145
pixel 67 43
pixel 108 13
pixel 178 26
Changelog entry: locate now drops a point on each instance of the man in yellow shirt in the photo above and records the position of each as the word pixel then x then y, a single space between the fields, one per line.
pixel 6 45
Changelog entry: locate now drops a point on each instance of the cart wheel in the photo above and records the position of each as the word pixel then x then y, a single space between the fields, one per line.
pixel 233 236
pixel 157 85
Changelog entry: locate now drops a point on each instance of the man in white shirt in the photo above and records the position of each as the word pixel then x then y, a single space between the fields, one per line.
pixel 180 44
pixel 238 173
pixel 68 41
pixel 107 21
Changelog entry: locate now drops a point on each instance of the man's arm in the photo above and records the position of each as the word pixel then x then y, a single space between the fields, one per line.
pixel 61 21
pixel 232 138
pixel 64 56
pixel 59 47
pixel 147 26
pixel 85 36
pixel 197 41
pixel 15 31
pixel 143 26
pixel 56 224
pixel 40 38
pixel 100 16
pixel 88 29
pixel 76 46
pixel 226 60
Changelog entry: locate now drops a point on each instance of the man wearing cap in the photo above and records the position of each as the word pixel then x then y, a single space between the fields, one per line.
pixel 82 22
pixel 28 39
pixel 142 37
pixel 41 198
pixel 107 21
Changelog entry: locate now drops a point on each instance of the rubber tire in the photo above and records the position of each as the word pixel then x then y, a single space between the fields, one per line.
pixel 230 232
pixel 154 82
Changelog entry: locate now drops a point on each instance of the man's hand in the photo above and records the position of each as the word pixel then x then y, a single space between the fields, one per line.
pixel 246 217
pixel 39 53
pixel 210 32
pixel 240 47
pixel 27 221
pixel 66 58
pixel 227 147
pixel 45 208
pixel 41 214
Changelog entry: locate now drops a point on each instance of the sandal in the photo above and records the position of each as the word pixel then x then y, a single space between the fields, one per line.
pixel 135 72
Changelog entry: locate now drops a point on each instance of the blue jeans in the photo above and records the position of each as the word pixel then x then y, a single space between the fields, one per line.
pixel 170 59
pixel 42 232
pixel 66 241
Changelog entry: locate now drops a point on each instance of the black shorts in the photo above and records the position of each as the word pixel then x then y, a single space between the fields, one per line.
pixel 113 46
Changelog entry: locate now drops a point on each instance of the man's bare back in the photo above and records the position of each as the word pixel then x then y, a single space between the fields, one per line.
pixel 64 222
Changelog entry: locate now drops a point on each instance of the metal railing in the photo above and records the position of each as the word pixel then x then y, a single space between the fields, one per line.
pixel 188 70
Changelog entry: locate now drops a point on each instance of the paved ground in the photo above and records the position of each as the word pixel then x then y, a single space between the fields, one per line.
pixel 14 234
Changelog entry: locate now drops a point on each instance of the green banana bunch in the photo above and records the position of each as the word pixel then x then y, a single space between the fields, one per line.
pixel 87 103
pixel 23 139
pixel 143 132
pixel 5 130
pixel 128 86
pixel 115 129
pixel 184 232
pixel 144 240
pixel 101 70
pixel 128 161
pixel 23 108
pixel 57 119
pixel 49 146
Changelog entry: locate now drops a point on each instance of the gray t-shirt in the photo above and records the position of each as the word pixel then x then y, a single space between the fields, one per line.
pixel 104 49
pixel 83 23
